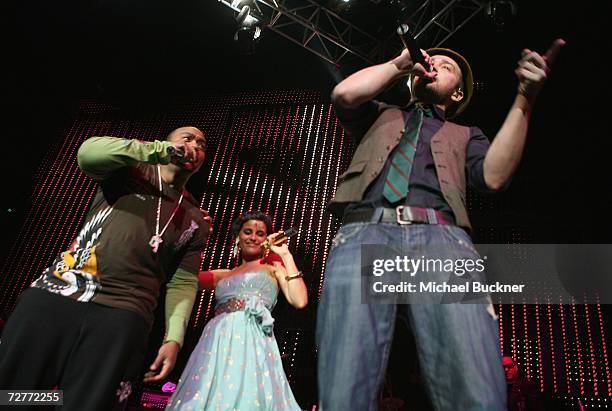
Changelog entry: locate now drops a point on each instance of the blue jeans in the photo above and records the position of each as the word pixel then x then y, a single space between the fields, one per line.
pixel 457 344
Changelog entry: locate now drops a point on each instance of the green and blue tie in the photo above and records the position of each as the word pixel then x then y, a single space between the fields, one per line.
pixel 396 183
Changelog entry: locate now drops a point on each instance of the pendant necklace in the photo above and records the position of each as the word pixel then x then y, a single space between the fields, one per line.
pixel 156 240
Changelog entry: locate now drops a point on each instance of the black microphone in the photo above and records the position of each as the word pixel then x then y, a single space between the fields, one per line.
pixel 410 43
pixel 281 238
pixel 174 152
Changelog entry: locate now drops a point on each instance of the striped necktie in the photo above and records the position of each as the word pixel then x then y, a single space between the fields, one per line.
pixel 396 183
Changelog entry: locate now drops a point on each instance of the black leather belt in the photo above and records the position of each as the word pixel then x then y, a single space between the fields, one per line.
pixel 400 215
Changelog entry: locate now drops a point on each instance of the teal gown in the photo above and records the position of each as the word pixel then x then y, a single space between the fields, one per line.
pixel 236 364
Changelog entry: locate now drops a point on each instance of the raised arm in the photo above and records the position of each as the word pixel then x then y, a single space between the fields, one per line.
pixel 506 150
pixel 367 83
pixel 289 277
pixel 98 157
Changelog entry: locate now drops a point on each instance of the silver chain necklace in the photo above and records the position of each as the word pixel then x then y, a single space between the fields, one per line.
pixel 156 240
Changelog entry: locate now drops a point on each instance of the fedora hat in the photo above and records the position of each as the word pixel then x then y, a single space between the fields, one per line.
pixel 467 75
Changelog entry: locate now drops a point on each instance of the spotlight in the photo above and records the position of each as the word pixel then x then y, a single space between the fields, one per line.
pixel 248 32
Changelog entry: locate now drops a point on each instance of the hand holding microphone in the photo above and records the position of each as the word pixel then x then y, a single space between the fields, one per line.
pixel 410 43
pixel 416 54
pixel 279 238
pixel 174 152
pixel 181 153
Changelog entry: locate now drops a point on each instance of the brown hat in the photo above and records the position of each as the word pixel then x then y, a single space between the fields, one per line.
pixel 468 79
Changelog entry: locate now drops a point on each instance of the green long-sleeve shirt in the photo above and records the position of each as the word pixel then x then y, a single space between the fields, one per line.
pixel 111 262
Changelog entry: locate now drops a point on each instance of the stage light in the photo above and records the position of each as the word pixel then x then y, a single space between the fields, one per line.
pixel 248 19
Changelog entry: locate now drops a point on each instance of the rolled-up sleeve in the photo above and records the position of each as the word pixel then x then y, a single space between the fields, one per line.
pixel 474 162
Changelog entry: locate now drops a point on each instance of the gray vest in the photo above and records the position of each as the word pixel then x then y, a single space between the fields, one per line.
pixel 448 148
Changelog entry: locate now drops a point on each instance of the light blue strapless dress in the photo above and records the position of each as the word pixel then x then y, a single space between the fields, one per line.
pixel 236 364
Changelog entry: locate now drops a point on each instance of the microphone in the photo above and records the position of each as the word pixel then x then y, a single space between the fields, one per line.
pixel 173 152
pixel 410 43
pixel 281 238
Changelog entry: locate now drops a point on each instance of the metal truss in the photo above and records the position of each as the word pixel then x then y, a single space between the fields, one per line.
pixel 437 20
pixel 316 28
pixel 333 38
pixel 433 22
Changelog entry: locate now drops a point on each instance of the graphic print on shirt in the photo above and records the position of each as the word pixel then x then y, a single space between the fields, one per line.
pixel 74 273
pixel 186 235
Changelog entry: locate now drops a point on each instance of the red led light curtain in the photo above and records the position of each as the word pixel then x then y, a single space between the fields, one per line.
pixel 280 152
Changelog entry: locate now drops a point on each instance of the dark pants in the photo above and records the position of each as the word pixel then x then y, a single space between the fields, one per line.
pixel 89 351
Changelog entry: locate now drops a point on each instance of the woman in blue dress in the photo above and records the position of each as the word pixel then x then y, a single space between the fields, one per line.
pixel 236 364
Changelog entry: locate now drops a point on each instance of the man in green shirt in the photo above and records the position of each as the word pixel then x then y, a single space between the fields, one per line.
pixel 84 323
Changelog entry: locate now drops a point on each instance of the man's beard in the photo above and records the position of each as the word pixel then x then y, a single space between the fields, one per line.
pixel 428 95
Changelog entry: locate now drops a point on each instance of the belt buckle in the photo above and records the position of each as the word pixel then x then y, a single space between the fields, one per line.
pixel 399 213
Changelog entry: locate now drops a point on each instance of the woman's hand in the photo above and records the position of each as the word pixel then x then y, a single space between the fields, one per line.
pixel 280 249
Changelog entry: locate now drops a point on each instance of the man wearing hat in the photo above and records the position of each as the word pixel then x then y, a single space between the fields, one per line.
pixel 405 191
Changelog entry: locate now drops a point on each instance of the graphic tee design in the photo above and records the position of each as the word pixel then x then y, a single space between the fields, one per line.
pixel 111 262
pixel 75 272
